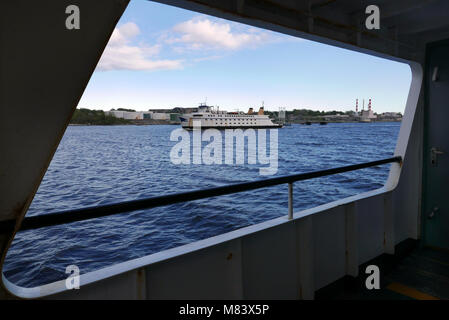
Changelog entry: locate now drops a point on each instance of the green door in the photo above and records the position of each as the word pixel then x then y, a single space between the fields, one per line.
pixel 436 148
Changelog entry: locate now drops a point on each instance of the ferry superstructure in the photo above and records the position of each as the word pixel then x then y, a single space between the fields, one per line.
pixel 45 69
pixel 207 117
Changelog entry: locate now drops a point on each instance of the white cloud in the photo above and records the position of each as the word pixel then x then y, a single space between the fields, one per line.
pixel 120 54
pixel 202 33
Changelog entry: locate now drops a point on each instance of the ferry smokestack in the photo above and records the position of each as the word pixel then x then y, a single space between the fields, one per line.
pixel 260 113
pixel 369 104
pixel 250 111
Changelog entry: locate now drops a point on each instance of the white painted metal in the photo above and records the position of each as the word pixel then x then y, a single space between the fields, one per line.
pixel 352 258
pixel 290 201
pixel 275 259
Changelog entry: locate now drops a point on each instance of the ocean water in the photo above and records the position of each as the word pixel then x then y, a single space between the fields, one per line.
pixel 97 165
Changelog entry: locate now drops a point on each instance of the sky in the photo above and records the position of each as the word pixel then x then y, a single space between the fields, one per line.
pixel 164 57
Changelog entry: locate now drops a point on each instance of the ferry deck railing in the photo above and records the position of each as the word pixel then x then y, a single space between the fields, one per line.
pixel 63 217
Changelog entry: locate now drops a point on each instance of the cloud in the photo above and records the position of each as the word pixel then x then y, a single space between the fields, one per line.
pixel 203 33
pixel 120 54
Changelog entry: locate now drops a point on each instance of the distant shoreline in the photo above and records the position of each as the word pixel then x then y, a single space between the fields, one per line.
pixel 143 122
pixel 316 121
pixel 121 116
pixel 135 123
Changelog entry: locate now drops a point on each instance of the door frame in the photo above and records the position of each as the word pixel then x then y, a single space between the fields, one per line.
pixel 426 146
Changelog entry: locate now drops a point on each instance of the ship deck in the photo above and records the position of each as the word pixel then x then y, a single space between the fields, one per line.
pixel 415 273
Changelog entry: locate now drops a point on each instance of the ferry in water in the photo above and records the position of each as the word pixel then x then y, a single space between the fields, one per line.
pixel 209 117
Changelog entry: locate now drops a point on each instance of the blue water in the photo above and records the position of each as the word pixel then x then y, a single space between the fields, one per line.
pixel 96 165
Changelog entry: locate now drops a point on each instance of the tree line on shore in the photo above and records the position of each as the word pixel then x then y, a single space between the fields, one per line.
pixel 98 117
pixel 95 117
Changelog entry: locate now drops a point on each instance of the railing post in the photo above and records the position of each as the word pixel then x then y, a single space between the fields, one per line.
pixel 290 200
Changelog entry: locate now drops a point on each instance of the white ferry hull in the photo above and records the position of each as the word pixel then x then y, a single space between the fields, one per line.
pixel 207 119
pixel 274 126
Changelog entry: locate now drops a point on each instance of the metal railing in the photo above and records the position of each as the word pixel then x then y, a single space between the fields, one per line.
pixel 69 216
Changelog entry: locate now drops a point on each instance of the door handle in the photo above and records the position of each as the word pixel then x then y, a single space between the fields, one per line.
pixel 435 74
pixel 432 213
pixel 434 153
